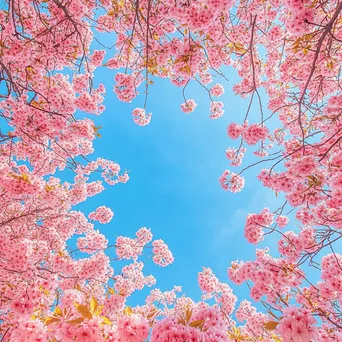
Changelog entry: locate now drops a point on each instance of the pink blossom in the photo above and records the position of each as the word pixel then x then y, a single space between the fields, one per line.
pixel 140 117
pixel 231 181
pixel 102 214
pixel 189 106
pixel 297 325
pixel 282 221
pixel 216 109
pixel 217 90
pixel 133 328
pixel 234 130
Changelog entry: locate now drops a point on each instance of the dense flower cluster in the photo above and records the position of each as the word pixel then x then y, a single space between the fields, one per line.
pixel 255 223
pixel 297 325
pixel 125 87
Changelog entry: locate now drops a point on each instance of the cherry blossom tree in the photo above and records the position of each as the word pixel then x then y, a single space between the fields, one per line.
pixel 291 49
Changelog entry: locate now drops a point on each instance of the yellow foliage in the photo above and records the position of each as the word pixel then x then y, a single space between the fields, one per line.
pixel 106 320
pixel 23 177
pixel 188 314
pixel 128 311
pixel 58 311
pixel 51 320
pixel 197 324
pixel 93 305
pixel 76 321
pixel 271 325
pixel 84 311
pixel 49 188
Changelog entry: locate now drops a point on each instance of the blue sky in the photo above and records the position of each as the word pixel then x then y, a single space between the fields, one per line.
pixel 174 164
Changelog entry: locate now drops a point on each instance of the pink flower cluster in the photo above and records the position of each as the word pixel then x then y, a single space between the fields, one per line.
pixel 254 133
pixel 127 248
pixel 125 87
pixel 282 221
pixel 213 288
pixel 216 109
pixel 91 103
pixel 132 278
pixel 110 171
pixel 134 328
pixel 206 78
pixel 255 223
pixel 97 57
pixel 297 324
pixel 217 90
pixel 270 276
pixel 189 106
pixel 162 256
pixel 231 181
pixel 140 117
pixel 332 273
pixel 22 307
pixel 198 322
pixel 93 242
pixel 80 82
pixel 234 130
pixel 296 23
pixel 102 214
pixel 291 245
pixel 236 156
